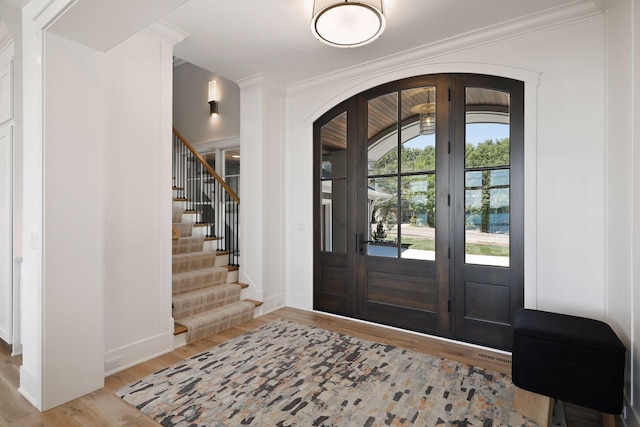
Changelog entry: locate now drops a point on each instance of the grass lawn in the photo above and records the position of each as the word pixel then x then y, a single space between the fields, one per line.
pixel 472 248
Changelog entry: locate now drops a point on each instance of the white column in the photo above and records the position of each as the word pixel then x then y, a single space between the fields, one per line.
pixel 262 209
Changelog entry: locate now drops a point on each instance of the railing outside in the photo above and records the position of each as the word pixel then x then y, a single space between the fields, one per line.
pixel 206 192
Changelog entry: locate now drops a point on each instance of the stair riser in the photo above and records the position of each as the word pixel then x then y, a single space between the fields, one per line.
pixel 190 217
pixel 200 231
pixel 232 276
pixel 222 260
pixel 210 245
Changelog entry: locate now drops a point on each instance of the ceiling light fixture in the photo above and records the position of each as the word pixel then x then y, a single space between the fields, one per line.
pixel 345 23
pixel 426 115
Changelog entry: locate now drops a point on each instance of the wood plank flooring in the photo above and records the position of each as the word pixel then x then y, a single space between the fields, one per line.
pixel 103 408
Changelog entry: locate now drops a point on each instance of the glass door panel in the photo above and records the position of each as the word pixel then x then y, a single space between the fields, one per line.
pixel 382 175
pixel 231 172
pixel 418 174
pixel 487 170
pixel 334 185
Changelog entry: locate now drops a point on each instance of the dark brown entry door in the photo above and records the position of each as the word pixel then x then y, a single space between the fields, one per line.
pixel 488 208
pixel 414 227
pixel 403 220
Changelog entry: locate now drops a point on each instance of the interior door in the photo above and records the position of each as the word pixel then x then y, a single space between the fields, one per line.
pixel 403 230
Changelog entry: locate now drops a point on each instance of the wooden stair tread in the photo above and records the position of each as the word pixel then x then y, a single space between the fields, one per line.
pixel 210 238
pixel 180 199
pixel 242 285
pixel 254 302
pixel 232 267
pixel 177 188
pixel 202 224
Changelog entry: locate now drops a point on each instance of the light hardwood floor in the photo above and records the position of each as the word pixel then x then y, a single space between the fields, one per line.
pixel 103 408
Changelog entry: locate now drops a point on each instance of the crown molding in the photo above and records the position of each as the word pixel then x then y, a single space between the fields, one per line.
pixel 557 17
pixel 6 39
pixel 165 32
pixel 602 4
pixel 258 81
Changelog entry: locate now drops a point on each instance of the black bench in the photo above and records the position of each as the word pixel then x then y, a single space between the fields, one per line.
pixel 573 359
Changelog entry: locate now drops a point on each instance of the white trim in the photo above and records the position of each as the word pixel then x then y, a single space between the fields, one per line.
pixel 214 144
pixel 29 381
pixel 165 32
pixel 273 303
pixel 258 81
pixel 47 14
pixel 530 77
pixel 140 351
pixel 535 23
pixel 7 42
pixel 531 81
pixel 418 334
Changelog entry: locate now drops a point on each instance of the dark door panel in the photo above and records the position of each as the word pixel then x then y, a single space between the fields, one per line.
pixel 418 220
pixel 488 209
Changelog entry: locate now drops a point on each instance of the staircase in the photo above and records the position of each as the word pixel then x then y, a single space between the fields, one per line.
pixel 206 296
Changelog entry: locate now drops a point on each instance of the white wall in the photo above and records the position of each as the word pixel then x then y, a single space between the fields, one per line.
pixel 191 109
pixel 11 17
pixel 564 222
pixel 138 75
pixel 6 234
pixel 262 218
pixel 73 233
pixel 97 259
pixel 619 170
pixel 623 188
pixel 7 49
pixel 31 370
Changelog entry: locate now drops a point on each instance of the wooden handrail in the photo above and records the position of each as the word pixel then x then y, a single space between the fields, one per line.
pixel 208 167
pixel 176 233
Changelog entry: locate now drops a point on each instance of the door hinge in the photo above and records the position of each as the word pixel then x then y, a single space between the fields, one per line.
pixel 448 147
pixel 449 306
pixel 449 94
pixel 448 199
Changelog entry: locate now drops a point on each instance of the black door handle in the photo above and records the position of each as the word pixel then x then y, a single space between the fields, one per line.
pixel 360 242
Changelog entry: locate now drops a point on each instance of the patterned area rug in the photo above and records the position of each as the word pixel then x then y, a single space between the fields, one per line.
pixel 288 374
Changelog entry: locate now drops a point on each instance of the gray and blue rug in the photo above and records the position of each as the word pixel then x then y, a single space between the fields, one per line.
pixel 288 374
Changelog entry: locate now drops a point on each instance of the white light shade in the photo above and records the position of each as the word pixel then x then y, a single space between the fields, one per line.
pixel 347 23
pixel 213 96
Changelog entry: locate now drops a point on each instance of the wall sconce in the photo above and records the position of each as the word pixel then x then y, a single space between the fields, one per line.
pixel 213 96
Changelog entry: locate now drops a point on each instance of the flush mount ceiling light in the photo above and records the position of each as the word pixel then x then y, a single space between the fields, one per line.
pixel 345 23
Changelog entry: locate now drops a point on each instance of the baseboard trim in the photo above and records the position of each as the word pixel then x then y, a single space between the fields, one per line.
pixel 138 352
pixel 632 419
pixel 30 385
pixel 273 303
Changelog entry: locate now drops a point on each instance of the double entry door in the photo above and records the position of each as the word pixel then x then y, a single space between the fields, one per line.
pixel 419 207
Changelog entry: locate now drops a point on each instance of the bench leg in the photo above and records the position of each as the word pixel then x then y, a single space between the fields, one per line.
pixel 536 407
pixel 608 420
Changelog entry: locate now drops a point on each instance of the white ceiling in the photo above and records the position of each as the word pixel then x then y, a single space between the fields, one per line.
pixel 238 39
pixel 241 38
